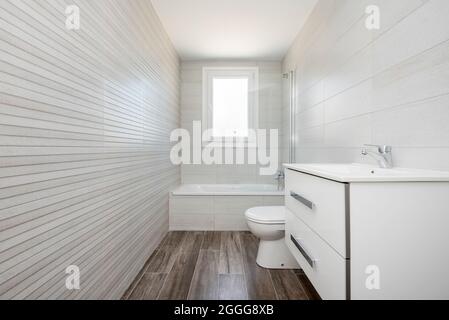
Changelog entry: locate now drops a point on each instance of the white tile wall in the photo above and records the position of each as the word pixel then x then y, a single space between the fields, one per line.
pixel 270 117
pixel 85 120
pixel 388 86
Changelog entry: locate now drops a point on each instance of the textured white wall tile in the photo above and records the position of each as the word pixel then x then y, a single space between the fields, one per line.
pixel 385 86
pixel 85 120
pixel 423 124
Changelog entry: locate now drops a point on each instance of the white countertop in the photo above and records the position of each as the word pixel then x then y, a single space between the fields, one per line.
pixel 365 173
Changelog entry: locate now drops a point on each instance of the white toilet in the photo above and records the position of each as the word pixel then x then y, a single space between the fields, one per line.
pixel 268 224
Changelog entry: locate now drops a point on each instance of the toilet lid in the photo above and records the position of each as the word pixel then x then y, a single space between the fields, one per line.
pixel 268 215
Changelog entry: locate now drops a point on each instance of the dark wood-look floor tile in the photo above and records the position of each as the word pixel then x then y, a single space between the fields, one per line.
pixel 192 241
pixel 133 285
pixel 232 287
pixel 173 240
pixel 180 269
pixel 205 279
pixel 258 280
pixel 231 261
pixel 312 294
pixel 165 256
pixel 163 241
pixel 211 241
pixel 149 287
pixel 287 285
pixel 178 281
pixel 138 277
pixel 158 280
pixel 162 261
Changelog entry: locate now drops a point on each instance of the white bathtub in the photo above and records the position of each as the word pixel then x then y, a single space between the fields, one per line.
pixel 209 207
pixel 228 190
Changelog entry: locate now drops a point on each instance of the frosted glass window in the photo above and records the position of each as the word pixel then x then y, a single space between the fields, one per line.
pixel 230 107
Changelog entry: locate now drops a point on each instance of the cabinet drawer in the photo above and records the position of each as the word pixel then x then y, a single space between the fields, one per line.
pixel 321 204
pixel 324 267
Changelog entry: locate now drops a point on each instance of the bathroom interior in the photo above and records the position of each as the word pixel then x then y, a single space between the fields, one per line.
pixel 224 150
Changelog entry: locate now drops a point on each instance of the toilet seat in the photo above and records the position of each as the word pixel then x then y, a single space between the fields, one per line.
pixel 266 215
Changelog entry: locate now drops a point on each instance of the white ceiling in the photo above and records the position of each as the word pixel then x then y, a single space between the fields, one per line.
pixel 233 29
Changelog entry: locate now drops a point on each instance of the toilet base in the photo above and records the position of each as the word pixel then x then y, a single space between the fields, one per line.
pixel 275 255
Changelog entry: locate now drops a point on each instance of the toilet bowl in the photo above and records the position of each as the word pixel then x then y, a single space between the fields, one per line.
pixel 268 224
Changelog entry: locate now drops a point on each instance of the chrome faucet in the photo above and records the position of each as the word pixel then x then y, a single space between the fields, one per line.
pixel 280 177
pixel 384 155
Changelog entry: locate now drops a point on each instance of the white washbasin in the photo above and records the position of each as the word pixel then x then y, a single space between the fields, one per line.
pixel 366 173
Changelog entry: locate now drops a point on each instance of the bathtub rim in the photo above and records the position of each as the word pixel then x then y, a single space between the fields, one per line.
pixel 179 192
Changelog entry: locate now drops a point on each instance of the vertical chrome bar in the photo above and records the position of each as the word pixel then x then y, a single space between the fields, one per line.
pixel 292 138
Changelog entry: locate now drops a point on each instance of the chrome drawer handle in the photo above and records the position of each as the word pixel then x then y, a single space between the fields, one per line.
pixel 309 204
pixel 308 258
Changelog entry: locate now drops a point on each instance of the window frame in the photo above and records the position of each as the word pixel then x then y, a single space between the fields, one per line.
pixel 252 74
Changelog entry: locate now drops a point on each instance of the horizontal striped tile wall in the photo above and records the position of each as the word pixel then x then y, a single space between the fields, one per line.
pixel 85 121
pixel 386 86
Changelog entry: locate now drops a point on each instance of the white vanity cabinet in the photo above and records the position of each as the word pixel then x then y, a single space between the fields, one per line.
pixel 368 233
pixel 316 231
